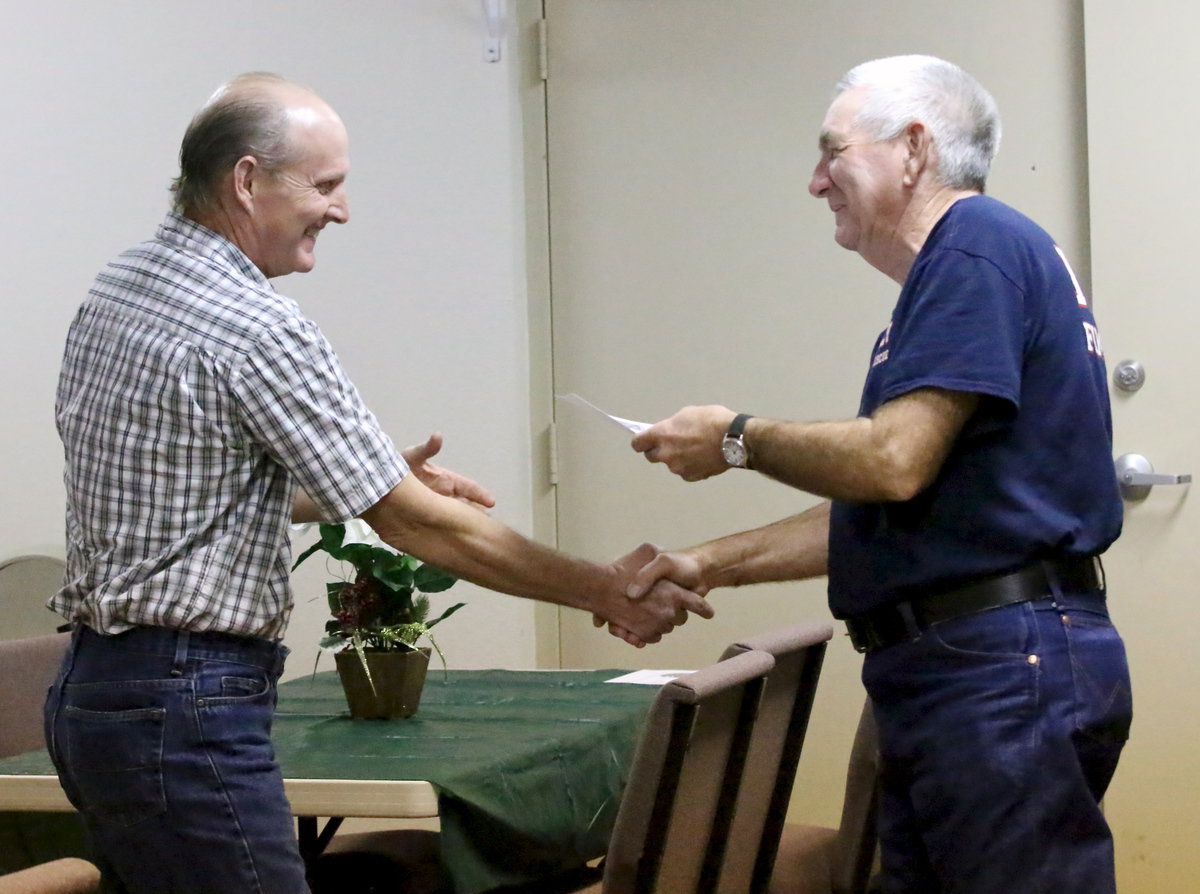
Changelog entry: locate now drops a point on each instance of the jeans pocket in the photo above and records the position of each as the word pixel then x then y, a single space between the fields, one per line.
pixel 1104 700
pixel 240 689
pixel 115 761
pixel 998 632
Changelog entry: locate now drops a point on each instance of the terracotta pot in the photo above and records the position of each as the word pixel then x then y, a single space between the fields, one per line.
pixel 399 678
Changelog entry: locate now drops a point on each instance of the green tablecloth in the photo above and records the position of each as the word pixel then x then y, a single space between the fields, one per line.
pixel 529 765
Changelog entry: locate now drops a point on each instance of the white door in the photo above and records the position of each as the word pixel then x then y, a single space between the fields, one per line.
pixel 1143 134
pixel 690 265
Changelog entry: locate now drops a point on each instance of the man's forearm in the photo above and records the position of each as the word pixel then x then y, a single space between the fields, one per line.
pixel 477 548
pixel 889 457
pixel 480 549
pixel 794 548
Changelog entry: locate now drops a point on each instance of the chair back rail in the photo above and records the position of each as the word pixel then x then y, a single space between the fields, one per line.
pixel 774 752
pixel 692 751
pixel 26 584
pixel 27 666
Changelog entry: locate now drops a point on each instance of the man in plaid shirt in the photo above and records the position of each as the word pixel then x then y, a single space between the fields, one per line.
pixel 200 414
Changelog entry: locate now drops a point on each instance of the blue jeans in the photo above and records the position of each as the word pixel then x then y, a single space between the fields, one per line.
pixel 999 733
pixel 162 741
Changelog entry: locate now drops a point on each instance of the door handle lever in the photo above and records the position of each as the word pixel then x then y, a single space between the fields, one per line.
pixel 1136 476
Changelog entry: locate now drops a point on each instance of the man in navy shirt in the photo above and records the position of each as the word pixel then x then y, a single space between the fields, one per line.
pixel 967 503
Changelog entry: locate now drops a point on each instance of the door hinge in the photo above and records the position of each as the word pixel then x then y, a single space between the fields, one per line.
pixel 543 51
pixel 553 454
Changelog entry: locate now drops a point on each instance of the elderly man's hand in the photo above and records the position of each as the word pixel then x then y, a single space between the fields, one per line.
pixel 688 442
pixel 442 480
pixel 648 619
pixel 651 597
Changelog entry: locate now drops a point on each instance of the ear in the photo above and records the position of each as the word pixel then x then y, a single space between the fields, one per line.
pixel 918 145
pixel 245 181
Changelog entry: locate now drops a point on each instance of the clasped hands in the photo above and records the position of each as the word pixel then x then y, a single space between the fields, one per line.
pixel 647 593
pixel 657 592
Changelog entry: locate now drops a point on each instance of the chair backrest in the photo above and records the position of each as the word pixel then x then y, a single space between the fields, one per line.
pixel 857 839
pixel 673 822
pixel 68 875
pixel 27 668
pixel 774 751
pixel 26 582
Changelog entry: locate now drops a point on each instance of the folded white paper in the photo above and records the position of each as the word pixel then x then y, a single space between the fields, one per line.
pixel 628 424
pixel 650 677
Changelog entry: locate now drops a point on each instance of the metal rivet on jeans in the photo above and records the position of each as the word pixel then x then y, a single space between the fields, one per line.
pixel 1032 659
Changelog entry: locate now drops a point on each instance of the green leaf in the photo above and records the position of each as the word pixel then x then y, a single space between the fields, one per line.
pixel 333 595
pixel 331 539
pixel 392 572
pixel 360 555
pixel 431 579
pixel 444 615
pixel 304 555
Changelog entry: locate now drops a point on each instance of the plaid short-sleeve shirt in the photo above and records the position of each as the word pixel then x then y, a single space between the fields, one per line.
pixel 193 401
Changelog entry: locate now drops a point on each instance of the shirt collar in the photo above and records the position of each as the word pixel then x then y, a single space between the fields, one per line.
pixel 186 233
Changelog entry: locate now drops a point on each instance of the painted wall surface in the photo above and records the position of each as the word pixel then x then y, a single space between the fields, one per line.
pixel 422 294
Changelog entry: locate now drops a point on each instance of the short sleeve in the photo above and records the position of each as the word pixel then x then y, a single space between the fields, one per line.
pixel 959 326
pixel 301 407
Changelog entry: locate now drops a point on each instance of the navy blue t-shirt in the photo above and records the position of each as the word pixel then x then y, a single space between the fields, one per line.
pixel 990 307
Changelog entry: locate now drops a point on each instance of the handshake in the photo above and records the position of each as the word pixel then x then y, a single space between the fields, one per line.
pixel 651 593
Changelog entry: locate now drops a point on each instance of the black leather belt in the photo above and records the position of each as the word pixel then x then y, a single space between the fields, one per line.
pixel 903 621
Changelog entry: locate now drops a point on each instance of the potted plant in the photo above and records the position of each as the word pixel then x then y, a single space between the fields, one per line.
pixel 379 615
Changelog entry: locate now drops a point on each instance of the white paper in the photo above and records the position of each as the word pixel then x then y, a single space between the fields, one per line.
pixel 628 424
pixel 650 677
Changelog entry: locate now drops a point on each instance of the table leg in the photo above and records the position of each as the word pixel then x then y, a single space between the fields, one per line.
pixel 312 843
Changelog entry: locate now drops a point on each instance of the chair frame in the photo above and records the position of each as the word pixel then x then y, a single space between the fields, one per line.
pixel 799 654
pixel 663 841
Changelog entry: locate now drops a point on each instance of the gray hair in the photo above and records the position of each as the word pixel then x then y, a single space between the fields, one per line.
pixel 247 116
pixel 962 117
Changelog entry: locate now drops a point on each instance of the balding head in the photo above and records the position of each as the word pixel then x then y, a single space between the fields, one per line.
pixel 264 164
pixel 250 115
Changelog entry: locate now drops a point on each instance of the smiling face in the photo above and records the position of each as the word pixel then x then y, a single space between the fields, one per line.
pixel 291 205
pixel 862 179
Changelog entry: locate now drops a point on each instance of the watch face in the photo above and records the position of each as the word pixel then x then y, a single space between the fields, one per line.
pixel 735 452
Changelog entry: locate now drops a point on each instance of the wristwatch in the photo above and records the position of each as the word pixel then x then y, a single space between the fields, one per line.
pixel 733 446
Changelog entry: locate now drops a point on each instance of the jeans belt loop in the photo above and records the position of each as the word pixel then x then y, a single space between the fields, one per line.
pixel 912 628
pixel 182 637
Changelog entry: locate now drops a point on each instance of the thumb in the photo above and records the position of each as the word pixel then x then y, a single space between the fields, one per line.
pixel 430 448
pixel 644 440
pixel 646 577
